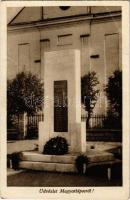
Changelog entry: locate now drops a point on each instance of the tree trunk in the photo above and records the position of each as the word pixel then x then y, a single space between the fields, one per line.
pixel 87 121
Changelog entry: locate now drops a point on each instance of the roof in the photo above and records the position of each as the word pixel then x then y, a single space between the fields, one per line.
pixel 27 15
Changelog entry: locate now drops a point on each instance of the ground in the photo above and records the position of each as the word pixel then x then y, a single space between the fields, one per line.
pixel 47 179
pixel 22 145
pixel 95 177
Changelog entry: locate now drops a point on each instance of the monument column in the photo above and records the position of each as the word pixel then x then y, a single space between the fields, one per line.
pixel 62 103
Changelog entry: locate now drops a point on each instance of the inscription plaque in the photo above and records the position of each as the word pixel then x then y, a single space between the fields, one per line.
pixel 60 106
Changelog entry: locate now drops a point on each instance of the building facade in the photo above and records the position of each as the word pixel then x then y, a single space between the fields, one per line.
pixel 94 30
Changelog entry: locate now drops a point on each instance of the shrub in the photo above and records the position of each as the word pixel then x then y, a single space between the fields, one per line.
pixel 16 157
pixel 8 160
pixel 117 152
pixel 112 121
pixel 56 146
pixel 79 162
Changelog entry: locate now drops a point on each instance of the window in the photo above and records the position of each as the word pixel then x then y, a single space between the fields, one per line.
pixel 23 57
pixel 65 39
pixel 111 52
pixel 45 46
pixel 85 59
pixel 45 43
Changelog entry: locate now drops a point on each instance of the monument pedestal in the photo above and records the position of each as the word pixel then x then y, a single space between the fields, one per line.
pixel 62 100
pixel 77 133
pixel 78 137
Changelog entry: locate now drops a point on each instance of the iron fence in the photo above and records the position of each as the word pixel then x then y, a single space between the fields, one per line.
pixel 96 121
pixel 34 119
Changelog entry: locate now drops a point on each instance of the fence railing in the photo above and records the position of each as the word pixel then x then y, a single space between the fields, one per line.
pixel 96 121
pixel 28 124
pixel 34 119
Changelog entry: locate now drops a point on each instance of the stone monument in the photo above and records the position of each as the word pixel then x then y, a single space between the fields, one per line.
pixel 62 100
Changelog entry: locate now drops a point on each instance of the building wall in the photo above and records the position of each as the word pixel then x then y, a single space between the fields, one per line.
pixel 100 47
pixel 22 38
pixel 98 41
pixel 56 11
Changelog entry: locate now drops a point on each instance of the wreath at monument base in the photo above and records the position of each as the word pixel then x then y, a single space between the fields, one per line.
pixel 56 146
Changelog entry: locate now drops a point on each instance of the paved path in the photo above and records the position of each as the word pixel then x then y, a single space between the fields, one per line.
pixel 103 146
pixel 20 145
pixel 23 145
pixel 47 179
pixel 13 172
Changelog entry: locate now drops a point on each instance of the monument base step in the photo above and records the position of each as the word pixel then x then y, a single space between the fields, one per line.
pixel 38 157
pixel 93 156
pixel 62 163
pixel 43 166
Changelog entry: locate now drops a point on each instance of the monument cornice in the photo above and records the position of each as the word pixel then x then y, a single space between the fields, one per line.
pixel 94 18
